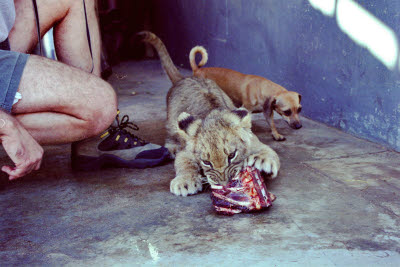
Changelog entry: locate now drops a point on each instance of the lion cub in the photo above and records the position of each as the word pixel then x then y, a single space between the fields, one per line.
pixel 208 135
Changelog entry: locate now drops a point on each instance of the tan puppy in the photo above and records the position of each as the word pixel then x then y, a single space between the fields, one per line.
pixel 255 93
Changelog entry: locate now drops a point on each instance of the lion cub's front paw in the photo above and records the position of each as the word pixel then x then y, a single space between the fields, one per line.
pixel 264 161
pixel 182 186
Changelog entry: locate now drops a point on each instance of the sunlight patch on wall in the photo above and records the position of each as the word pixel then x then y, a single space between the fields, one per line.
pixel 364 29
pixel 327 7
pixel 368 31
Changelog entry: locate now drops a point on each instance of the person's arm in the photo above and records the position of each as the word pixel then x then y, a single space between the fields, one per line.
pixel 20 146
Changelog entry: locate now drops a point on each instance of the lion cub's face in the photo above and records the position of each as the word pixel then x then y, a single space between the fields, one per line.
pixel 219 143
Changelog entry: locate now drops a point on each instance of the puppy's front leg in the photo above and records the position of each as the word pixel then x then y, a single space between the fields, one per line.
pixel 277 136
pixel 188 179
pixel 269 116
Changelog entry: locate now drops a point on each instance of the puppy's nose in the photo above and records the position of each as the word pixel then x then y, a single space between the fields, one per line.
pixel 296 125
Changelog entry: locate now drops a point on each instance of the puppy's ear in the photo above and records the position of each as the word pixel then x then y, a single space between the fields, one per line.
pixel 187 125
pixel 269 104
pixel 244 117
pixel 273 104
pixel 299 98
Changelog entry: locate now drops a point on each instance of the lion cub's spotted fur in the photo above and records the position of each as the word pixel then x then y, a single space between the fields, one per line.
pixel 208 135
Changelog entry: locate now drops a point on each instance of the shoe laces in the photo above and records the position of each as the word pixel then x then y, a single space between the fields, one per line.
pixel 124 125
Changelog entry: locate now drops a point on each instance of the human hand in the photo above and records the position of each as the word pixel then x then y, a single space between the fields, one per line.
pixel 20 146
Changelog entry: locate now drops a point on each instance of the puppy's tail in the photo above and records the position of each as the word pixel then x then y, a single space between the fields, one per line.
pixel 192 57
pixel 166 61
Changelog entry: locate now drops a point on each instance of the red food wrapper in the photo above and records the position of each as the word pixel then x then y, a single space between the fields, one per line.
pixel 246 192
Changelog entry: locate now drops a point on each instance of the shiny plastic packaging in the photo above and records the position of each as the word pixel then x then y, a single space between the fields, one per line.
pixel 244 193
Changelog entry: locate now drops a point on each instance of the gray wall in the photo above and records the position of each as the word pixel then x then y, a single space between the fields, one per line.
pixel 294 44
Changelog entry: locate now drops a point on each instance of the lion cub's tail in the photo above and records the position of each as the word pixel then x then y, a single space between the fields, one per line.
pixel 166 61
pixel 192 57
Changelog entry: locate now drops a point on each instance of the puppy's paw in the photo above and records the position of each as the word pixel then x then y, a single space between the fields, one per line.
pixel 278 137
pixel 267 162
pixel 183 186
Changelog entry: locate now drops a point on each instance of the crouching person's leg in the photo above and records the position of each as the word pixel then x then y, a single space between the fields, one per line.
pixel 62 104
pixel 47 102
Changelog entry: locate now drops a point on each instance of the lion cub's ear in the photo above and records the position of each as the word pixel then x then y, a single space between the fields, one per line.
pixel 187 124
pixel 243 117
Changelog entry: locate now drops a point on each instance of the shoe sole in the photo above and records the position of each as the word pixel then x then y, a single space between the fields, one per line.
pixel 86 163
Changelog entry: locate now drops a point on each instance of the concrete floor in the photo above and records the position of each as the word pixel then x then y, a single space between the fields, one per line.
pixel 337 202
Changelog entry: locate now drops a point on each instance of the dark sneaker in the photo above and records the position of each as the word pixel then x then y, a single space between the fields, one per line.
pixel 118 147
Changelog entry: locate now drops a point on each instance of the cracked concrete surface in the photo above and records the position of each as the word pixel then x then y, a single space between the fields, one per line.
pixel 337 202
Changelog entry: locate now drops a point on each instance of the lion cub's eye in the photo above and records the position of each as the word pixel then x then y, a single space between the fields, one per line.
pixel 287 112
pixel 207 163
pixel 232 156
pixel 299 110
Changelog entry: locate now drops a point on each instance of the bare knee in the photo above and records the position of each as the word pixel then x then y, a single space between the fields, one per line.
pixel 107 108
pixel 102 109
